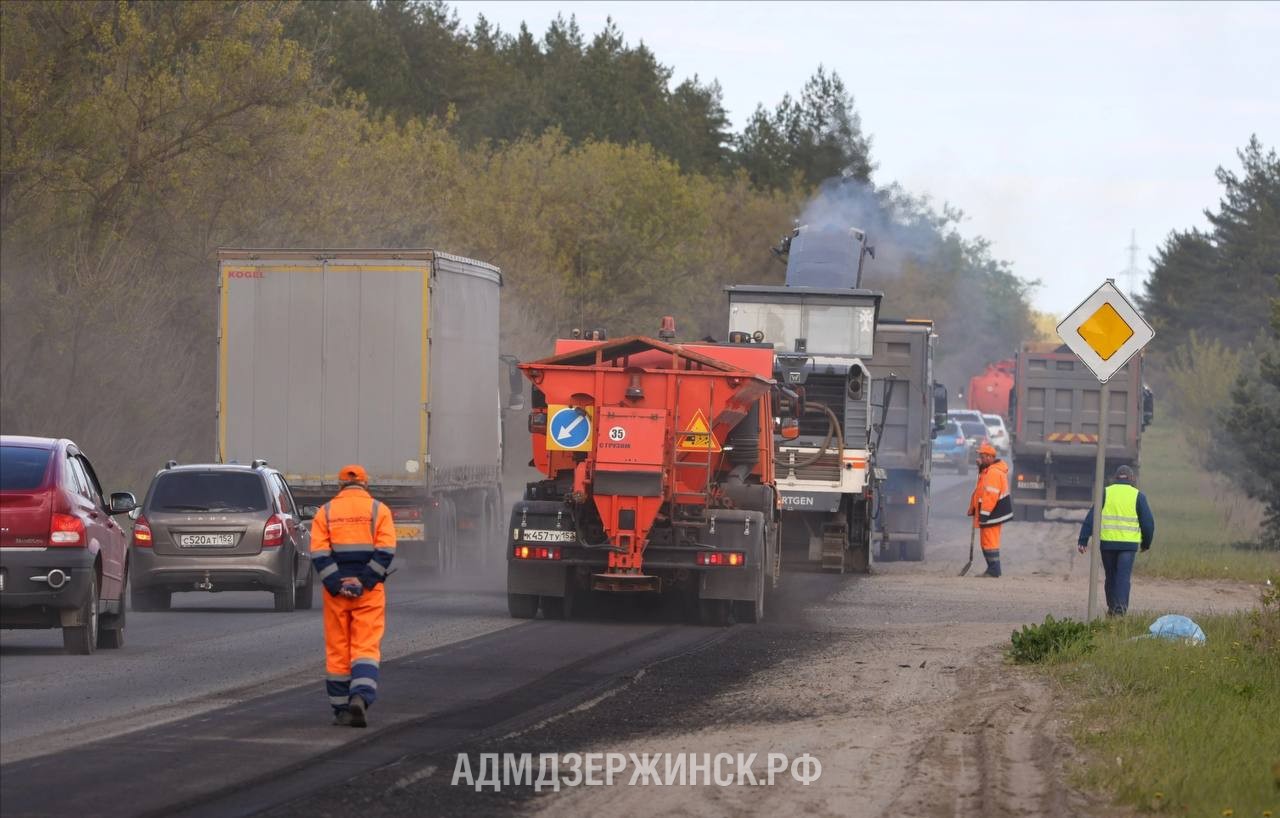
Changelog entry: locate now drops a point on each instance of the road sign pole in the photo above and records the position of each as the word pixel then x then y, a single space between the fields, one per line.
pixel 1099 475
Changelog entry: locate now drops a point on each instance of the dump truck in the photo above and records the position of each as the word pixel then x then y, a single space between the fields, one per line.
pixel 387 358
pixel 821 325
pixel 1057 420
pixel 910 408
pixel 657 479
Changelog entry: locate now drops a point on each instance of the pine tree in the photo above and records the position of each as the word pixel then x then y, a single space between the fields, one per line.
pixel 1253 421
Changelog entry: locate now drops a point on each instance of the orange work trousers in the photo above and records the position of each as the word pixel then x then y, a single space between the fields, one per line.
pixel 353 631
pixel 990 537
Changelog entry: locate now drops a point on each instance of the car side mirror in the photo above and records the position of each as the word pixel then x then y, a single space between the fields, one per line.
pixel 307 513
pixel 122 502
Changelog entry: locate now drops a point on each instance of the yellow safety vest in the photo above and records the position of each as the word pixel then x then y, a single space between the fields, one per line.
pixel 1120 514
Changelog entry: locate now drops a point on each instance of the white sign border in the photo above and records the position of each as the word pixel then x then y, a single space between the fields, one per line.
pixel 1068 332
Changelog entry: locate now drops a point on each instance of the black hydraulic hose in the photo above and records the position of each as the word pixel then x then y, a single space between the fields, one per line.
pixel 833 430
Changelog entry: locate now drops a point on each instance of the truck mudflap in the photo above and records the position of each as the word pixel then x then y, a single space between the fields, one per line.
pixel 735 531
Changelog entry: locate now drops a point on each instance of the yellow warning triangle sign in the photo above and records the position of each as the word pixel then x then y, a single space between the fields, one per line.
pixel 697 436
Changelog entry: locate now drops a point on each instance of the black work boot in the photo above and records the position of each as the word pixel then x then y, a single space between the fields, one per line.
pixel 342 718
pixel 357 712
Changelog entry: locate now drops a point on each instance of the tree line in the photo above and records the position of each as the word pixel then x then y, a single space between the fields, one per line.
pixel 1214 300
pixel 137 138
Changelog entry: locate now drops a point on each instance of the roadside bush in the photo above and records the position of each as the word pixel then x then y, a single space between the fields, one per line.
pixel 1264 623
pixel 1037 643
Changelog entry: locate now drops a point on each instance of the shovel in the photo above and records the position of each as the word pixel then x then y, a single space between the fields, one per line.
pixel 972 533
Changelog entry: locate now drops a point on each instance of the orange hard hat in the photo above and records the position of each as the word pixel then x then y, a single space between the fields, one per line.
pixel 987 448
pixel 354 473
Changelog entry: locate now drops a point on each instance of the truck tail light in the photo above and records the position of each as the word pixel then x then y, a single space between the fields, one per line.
pixel 142 533
pixel 536 552
pixel 273 534
pixel 414 513
pixel 733 558
pixel 65 529
pixel 911 499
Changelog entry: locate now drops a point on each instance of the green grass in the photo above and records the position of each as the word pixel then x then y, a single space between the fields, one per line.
pixel 1180 729
pixel 1198 519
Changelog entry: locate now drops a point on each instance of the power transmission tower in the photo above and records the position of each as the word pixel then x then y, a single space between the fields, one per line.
pixel 1132 273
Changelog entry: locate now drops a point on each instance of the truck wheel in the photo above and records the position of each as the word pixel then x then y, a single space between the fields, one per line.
pixel 557 607
pixel 146 599
pixel 913 550
pixel 715 612
pixel 82 639
pixel 522 606
pixel 751 611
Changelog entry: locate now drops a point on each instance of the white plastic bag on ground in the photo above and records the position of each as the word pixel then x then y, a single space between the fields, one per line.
pixel 1177 626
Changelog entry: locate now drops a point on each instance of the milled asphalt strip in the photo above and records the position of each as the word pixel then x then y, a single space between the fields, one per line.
pixel 278 747
pixel 517 709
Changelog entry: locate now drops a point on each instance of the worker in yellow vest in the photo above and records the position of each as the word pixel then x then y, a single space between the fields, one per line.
pixel 1127 526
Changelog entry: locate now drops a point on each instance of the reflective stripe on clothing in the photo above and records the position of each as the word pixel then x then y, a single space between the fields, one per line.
pixel 991 504
pixel 354 532
pixel 353 630
pixel 1120 514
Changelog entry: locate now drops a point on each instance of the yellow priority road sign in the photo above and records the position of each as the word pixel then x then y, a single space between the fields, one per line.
pixel 1105 331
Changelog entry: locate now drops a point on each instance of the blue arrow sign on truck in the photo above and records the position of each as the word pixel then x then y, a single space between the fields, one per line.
pixel 569 428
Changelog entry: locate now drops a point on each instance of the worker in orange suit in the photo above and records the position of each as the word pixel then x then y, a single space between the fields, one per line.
pixel 353 541
pixel 991 506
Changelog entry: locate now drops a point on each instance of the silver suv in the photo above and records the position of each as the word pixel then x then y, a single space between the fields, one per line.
pixel 220 527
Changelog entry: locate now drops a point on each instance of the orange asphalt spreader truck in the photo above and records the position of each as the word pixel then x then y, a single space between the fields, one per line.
pixel 658 464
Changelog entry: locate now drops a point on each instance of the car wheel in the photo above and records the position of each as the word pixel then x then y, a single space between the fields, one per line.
pixel 82 639
pixel 111 628
pixel 286 597
pixel 304 596
pixel 147 599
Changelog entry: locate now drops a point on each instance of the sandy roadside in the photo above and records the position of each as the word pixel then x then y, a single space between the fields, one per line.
pixel 905 699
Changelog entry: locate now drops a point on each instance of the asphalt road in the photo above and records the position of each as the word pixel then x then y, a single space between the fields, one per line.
pixel 217 707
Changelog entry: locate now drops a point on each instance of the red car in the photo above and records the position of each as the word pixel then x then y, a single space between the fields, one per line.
pixel 63 560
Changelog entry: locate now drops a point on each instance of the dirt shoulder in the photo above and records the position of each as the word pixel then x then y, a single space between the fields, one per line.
pixel 895 682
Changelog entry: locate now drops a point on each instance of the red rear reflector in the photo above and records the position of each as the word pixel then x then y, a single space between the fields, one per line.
pixel 142 533
pixel 734 558
pixel 65 529
pixel 536 552
pixel 406 513
pixel 273 534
